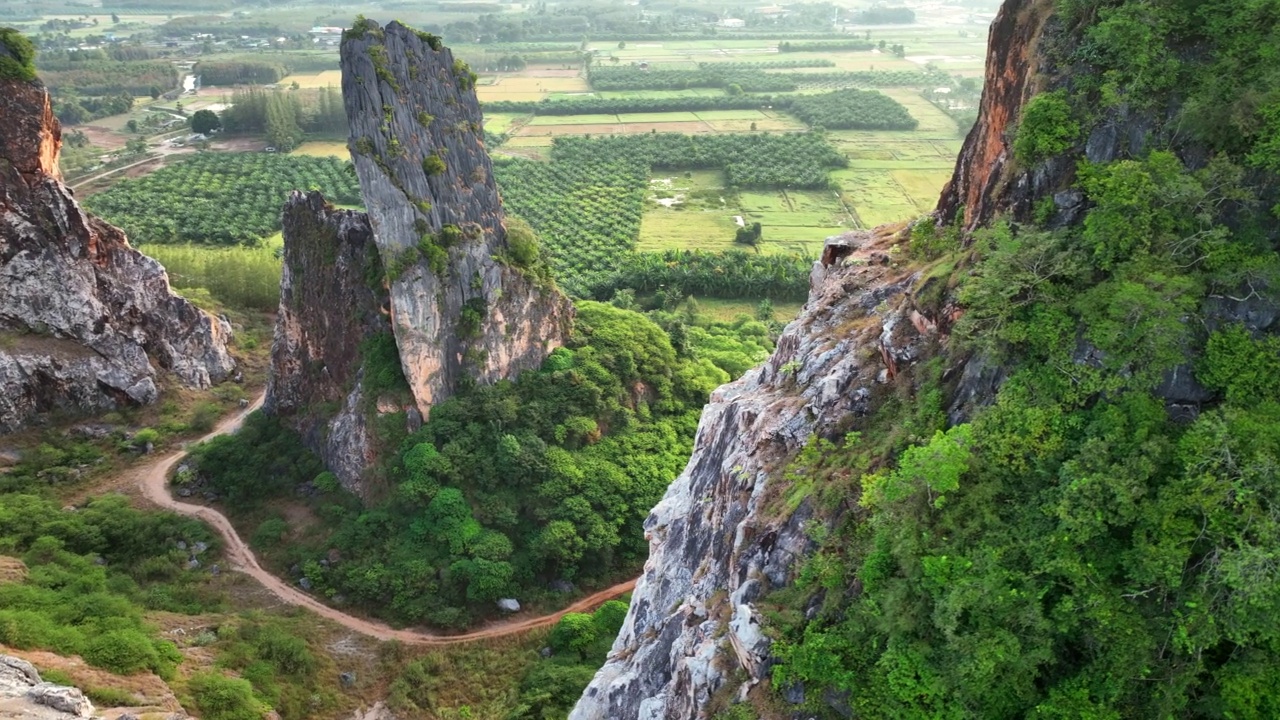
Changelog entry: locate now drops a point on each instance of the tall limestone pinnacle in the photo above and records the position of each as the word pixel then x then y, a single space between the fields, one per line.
pixel 461 308
pixel 84 317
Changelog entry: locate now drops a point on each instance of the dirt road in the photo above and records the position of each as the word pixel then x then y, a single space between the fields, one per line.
pixel 153 481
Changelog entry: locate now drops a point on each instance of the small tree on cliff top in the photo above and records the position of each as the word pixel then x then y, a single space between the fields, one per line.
pixel 17 56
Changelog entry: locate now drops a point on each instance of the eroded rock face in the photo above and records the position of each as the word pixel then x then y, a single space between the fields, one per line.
pixel 720 538
pixel 458 309
pixel 331 300
pixel 85 320
pixel 24 695
pixel 985 182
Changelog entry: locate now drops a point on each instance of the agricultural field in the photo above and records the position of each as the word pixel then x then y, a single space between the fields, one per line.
pixel 899 147
pixel 323 148
pixel 695 210
pixel 319 79
pixel 531 85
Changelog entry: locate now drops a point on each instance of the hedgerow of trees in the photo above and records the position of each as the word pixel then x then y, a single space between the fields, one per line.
pixel 610 106
pixel 634 78
pixel 731 274
pixel 730 66
pixel 285 119
pixel 825 46
pixel 76 75
pixel 219 198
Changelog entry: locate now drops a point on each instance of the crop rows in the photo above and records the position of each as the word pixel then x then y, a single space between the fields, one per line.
pixel 586 209
pixel 623 105
pixel 633 78
pixel 853 109
pixel 765 65
pixel 219 198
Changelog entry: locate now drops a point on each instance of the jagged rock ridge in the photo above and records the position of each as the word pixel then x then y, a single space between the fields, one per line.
pixel 459 308
pixel 719 538
pixel 83 316
pixel 331 300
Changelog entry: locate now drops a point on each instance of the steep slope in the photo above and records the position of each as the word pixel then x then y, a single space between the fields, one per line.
pixel 1025 465
pixel 723 535
pixel 463 308
pixel 83 316
pixel 332 303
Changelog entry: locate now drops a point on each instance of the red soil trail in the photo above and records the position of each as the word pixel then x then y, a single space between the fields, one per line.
pixel 153 480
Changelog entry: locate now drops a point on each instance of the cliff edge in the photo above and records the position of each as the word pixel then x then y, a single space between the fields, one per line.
pixel 85 320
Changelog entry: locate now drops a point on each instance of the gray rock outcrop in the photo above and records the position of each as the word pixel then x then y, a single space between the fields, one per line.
pixel 460 308
pixel 24 696
pixel 331 300
pixel 720 538
pixel 86 321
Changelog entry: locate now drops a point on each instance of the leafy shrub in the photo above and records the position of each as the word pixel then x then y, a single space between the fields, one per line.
pixel 270 533
pixel 1046 129
pixel 122 651
pixel 219 697
pixel 433 164
pixel 19 63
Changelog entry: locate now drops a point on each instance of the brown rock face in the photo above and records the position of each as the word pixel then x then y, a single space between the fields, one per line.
pixel 331 300
pixel 459 309
pixel 83 316
pixel 984 183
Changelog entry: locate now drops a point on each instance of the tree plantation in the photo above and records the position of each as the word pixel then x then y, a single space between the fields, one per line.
pixel 219 198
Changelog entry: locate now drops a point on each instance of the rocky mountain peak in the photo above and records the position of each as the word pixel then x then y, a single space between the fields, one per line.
pixel 85 318
pixel 461 307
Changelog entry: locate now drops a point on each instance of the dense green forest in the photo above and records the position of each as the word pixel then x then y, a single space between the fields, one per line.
pixel 509 487
pixel 1089 546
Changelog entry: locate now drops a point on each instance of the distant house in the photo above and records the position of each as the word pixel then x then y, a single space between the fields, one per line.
pixel 732 23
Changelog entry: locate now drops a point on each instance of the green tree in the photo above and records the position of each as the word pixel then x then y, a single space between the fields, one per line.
pixel 205 122
pixel 17 62
pixel 1046 129
pixel 575 631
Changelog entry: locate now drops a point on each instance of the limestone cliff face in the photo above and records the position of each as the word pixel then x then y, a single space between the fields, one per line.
pixel 720 539
pixel 85 320
pixel 458 308
pixel 986 183
pixel 331 299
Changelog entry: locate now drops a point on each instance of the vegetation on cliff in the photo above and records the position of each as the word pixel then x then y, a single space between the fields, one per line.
pixel 507 487
pixel 1100 541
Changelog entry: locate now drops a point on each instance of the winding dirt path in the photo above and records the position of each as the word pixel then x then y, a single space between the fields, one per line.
pixel 153 480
